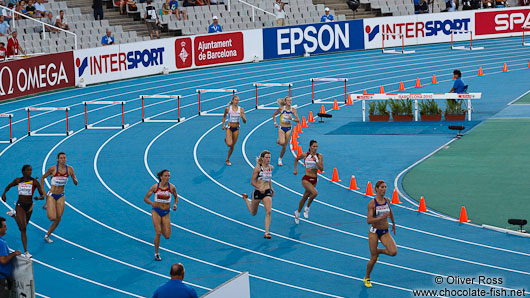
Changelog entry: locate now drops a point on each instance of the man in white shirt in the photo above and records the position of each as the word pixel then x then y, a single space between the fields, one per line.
pixel 4 27
pixel 60 21
pixel 279 12
pixel 40 8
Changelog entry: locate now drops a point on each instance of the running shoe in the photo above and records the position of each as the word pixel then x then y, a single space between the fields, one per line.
pixel 47 239
pixel 157 257
pixel 27 255
pixel 296 217
pixel 245 196
pixel 267 236
pixel 280 163
pixel 367 282
pixel 228 163
pixel 306 212
pixel 11 213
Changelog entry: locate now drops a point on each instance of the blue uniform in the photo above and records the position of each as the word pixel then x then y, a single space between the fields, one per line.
pixel 7 269
pixel 107 40
pixel 213 29
pixel 326 18
pixel 174 288
pixel 459 86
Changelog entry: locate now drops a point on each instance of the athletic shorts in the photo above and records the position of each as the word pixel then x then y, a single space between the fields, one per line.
pixel 258 195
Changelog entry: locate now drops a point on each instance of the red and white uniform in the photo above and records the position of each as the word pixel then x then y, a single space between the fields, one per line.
pixel 60 179
pixel 163 195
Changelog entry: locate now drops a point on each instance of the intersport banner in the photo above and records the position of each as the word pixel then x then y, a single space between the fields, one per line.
pixel 416 29
pixel 37 74
pixel 502 22
pixel 319 38
pixel 125 61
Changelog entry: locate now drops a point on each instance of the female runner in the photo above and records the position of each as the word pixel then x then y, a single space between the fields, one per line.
pixel 55 197
pixel 26 188
pixel 378 212
pixel 161 205
pixel 234 112
pixel 262 182
pixel 287 113
pixel 313 162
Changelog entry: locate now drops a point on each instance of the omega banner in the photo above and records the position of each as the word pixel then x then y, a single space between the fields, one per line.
pixel 37 74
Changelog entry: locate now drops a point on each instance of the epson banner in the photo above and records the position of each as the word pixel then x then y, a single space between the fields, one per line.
pixel 313 39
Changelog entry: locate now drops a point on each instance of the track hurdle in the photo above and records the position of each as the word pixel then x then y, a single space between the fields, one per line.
pixel 34 134
pixel 91 126
pixel 393 51
pixel 525 44
pixel 11 139
pixel 148 119
pixel 416 97
pixel 313 80
pixel 470 48
pixel 263 107
pixel 199 91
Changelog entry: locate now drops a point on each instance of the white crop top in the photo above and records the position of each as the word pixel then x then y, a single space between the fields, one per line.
pixel 234 116
pixel 381 209
pixel 163 195
pixel 265 174
pixel 26 188
pixel 59 179
pixel 311 161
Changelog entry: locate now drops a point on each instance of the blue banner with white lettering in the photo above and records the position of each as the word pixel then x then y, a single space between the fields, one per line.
pixel 313 39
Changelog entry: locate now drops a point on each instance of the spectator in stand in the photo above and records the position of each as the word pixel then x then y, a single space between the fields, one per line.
pixel 487 4
pixel 6 259
pixel 50 23
pixel 215 2
pixel 13 47
pixel 40 9
pixel 174 288
pixel 151 19
pixel 165 10
pixel 4 27
pixel 279 12
pixel 421 6
pixel 215 27
pixel 192 3
pixel 327 17
pixel 97 5
pixel 8 15
pixel 107 39
pixel 18 8
pixel 22 8
pixel 60 21
pixel 174 6
pixel 470 4
pixel 450 6
pixel 2 51
pixel 30 9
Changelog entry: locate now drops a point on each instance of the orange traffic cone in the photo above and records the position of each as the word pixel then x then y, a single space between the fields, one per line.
pixel 454 78
pixel 299 152
pixel 382 90
pixel 395 198
pixel 293 139
pixel 528 63
pixel 353 183
pixel 401 87
pixel 299 128
pixel 369 189
pixel 295 145
pixel 349 101
pixel 423 207
pixel 434 81
pixel 418 83
pixel 480 72
pixel 304 123
pixel 295 134
pixel 310 118
pixel 322 110
pixel 335 106
pixel 463 215
pixel 364 92
pixel 505 68
pixel 335 176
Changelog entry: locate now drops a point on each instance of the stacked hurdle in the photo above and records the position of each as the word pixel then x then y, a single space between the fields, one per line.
pixel 91 126
pixel 199 91
pixel 470 48
pixel 313 80
pixel 269 85
pixel 393 51
pixel 32 133
pixel 148 119
pixel 11 139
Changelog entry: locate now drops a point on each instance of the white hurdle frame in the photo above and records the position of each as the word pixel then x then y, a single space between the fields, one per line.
pixel 263 107
pixel 416 97
pixel 525 44
pixel 95 102
pixel 383 35
pixel 33 134
pixel 471 48
pixel 199 91
pixel 313 100
pixel 148 119
pixel 11 139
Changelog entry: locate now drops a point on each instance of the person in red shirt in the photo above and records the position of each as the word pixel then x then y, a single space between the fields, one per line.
pixel 2 51
pixel 13 47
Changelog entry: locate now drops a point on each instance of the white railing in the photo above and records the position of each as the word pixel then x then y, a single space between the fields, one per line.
pixel 41 22
pixel 253 8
